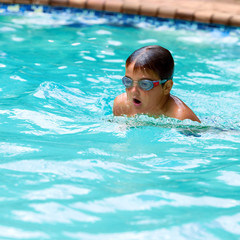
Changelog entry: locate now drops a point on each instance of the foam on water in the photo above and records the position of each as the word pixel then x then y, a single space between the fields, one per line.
pixel 71 170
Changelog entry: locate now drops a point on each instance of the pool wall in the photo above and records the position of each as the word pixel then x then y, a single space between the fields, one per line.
pixel 224 12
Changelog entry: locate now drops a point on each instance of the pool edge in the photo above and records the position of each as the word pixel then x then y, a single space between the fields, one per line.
pixel 210 12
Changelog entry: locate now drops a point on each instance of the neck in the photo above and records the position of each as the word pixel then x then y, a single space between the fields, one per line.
pixel 160 107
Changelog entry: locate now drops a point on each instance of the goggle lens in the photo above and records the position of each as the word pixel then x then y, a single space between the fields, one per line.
pixel 143 84
pixel 127 82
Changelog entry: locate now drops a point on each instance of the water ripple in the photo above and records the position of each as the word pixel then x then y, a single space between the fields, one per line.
pixel 53 213
pixel 45 120
pixel 153 199
pixel 64 169
pixel 185 231
pixel 15 233
pixel 56 192
pixel 230 178
pixel 13 149
pixel 230 223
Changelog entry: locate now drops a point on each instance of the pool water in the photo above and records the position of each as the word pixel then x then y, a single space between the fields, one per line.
pixel 71 170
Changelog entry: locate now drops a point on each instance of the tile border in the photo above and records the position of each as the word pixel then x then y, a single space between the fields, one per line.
pixel 163 9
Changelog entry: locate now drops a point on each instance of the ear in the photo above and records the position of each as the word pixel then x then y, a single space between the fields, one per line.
pixel 167 87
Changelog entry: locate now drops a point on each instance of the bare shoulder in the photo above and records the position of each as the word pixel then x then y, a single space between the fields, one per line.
pixel 120 106
pixel 181 111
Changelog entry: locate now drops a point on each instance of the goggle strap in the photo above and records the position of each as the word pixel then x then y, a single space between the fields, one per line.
pixel 163 81
pixel 156 83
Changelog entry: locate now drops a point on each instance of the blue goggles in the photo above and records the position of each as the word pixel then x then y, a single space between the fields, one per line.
pixel 144 84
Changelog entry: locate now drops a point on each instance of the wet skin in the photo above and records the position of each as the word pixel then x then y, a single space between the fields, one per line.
pixel 155 102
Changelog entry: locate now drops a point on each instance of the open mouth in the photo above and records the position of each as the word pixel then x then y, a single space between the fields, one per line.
pixel 136 102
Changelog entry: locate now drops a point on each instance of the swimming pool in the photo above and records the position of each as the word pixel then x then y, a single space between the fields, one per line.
pixel 70 170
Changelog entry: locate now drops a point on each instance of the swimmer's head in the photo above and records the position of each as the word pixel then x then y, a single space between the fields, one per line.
pixel 153 58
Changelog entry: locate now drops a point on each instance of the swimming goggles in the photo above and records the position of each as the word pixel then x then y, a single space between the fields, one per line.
pixel 144 84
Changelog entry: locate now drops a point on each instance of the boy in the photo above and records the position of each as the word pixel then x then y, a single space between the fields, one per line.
pixel 148 82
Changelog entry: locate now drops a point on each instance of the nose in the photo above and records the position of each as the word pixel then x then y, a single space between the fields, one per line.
pixel 135 87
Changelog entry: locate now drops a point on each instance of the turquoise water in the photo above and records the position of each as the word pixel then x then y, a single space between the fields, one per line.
pixel 70 170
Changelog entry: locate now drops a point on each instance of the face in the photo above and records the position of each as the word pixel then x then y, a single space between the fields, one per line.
pixel 143 101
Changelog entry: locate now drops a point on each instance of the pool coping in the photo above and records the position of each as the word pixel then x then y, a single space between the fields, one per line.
pixel 223 12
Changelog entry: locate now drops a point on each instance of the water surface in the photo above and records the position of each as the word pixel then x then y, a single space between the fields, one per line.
pixel 70 170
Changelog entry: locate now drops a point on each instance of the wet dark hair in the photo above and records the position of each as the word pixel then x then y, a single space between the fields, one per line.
pixel 154 58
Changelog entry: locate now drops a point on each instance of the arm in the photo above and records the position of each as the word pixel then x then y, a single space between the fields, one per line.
pixel 181 111
pixel 119 106
pixel 188 114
